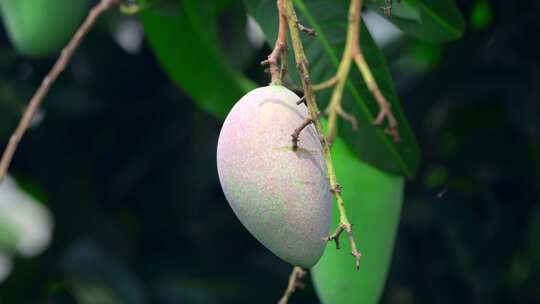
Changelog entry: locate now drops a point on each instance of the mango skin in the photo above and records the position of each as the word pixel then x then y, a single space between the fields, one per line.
pixel 281 196
pixel 40 28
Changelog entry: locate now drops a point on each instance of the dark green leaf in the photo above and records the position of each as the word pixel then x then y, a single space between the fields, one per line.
pixel 329 20
pixel 184 41
pixel 373 201
pixel 433 21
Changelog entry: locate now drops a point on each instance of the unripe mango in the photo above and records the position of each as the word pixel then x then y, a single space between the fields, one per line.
pixel 40 28
pixel 281 196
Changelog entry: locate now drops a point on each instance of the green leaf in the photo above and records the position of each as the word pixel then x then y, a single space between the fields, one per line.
pixel 183 38
pixel 32 31
pixel 373 199
pixel 329 20
pixel 9 234
pixel 433 21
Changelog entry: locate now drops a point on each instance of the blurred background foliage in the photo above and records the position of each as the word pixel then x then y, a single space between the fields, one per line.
pixel 124 162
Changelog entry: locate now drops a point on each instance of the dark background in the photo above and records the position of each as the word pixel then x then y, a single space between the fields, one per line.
pixel 126 164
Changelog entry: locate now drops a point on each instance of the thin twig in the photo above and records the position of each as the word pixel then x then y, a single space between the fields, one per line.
pixel 334 108
pixel 296 134
pixel 385 113
pixel 303 71
pixel 325 84
pixel 59 66
pixel 279 53
pixel 348 117
pixel 352 52
pixel 335 237
pixel 306 29
pixel 295 281
pixel 388 7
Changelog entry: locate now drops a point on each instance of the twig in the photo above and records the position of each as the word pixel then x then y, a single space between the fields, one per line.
pixel 296 134
pixel 334 108
pixel 306 29
pixel 325 84
pixel 295 281
pixel 352 52
pixel 279 53
pixel 59 66
pixel 335 237
pixel 387 8
pixel 302 66
pixel 385 112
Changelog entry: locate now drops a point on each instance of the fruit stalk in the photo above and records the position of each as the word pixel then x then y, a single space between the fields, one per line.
pixel 295 281
pixel 57 69
pixel 279 53
pixel 302 66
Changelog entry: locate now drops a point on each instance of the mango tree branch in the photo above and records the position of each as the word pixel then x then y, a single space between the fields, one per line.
pixel 334 107
pixel 325 84
pixel 295 281
pixel 279 53
pixel 303 70
pixel 385 113
pixel 47 82
pixel 352 52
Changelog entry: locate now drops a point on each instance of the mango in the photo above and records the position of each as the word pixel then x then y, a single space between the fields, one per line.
pixel 281 196
pixel 39 28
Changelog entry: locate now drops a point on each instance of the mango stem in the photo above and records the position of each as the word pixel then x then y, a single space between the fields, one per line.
pixel 303 70
pixel 295 281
